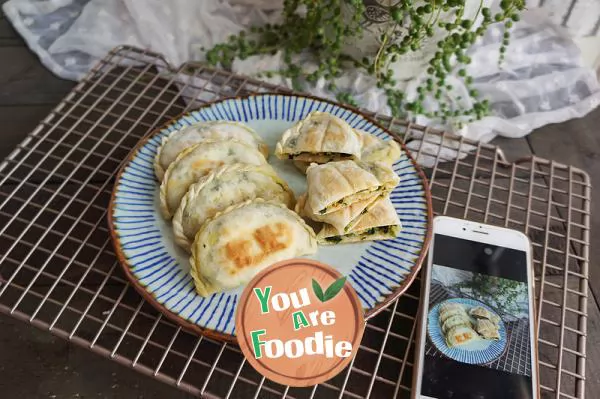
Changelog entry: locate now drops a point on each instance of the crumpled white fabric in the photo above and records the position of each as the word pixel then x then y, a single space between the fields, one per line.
pixel 542 80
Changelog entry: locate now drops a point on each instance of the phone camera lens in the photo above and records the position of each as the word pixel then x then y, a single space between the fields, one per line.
pixel 488 251
pixel 464 228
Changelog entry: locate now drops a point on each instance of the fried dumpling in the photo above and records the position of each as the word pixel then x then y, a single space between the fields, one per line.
pixel 482 313
pixel 336 185
pixel 187 136
pixel 375 149
pixel 487 329
pixel 461 335
pixel 446 306
pixel 380 222
pixel 319 138
pixel 198 161
pixel 341 220
pixel 450 311
pixel 455 321
pixel 235 245
pixel 222 188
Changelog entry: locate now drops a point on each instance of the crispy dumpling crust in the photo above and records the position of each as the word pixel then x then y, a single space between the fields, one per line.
pixel 446 306
pixel 198 161
pixel 460 335
pixel 487 329
pixel 320 138
pixel 445 314
pixel 341 220
pixel 454 321
pixel 178 140
pixel 375 149
pixel 482 313
pixel 222 188
pixel 336 185
pixel 233 246
pixel 379 222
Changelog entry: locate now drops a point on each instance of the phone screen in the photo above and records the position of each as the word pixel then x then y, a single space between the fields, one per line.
pixel 478 338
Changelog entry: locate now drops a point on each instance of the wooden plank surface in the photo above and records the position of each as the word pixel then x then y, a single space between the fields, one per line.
pixel 16 121
pixel 577 143
pixel 8 36
pixel 25 81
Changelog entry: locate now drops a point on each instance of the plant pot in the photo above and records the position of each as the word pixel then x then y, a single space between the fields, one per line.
pixel 377 20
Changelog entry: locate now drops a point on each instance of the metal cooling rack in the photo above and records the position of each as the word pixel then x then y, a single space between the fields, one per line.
pixel 58 271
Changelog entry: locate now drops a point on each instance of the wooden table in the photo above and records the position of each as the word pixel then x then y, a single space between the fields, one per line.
pixel 28 91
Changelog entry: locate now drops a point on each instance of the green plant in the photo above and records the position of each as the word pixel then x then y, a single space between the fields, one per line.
pixel 324 28
pixel 501 293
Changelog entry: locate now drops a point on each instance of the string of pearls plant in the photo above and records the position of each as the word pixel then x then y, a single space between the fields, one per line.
pixel 321 28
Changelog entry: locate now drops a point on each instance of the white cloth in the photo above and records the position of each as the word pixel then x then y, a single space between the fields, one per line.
pixel 541 81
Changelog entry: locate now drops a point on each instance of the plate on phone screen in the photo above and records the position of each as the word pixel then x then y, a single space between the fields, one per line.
pixel 479 351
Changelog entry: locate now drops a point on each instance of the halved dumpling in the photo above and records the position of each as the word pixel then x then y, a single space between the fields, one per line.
pixel 487 329
pixel 381 222
pixel 482 313
pixel 224 187
pixel 187 136
pixel 461 335
pixel 336 185
pixel 375 149
pixel 342 220
pixel 319 138
pixel 198 161
pixel 235 245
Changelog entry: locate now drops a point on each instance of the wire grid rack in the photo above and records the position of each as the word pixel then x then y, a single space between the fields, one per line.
pixel 515 359
pixel 58 270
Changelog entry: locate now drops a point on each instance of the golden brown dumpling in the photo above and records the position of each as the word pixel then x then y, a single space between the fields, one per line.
pixel 235 245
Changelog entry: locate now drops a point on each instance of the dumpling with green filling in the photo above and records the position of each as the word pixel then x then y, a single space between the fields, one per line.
pixel 342 220
pixel 461 335
pixel 224 187
pixel 381 222
pixel 198 161
pixel 337 185
pixel 373 149
pixel 487 329
pixel 320 138
pixel 177 141
pixel 480 312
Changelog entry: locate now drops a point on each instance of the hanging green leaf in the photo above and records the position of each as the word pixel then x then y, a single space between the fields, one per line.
pixel 318 290
pixel 334 289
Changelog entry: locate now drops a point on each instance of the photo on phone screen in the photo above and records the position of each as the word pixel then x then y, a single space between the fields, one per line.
pixel 478 327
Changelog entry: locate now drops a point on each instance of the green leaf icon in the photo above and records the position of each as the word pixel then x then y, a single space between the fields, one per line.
pixel 334 289
pixel 318 290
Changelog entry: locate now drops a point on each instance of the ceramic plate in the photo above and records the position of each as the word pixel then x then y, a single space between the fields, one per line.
pixel 379 271
pixel 479 352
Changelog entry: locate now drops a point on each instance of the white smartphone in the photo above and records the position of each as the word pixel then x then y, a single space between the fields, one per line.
pixel 477 336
